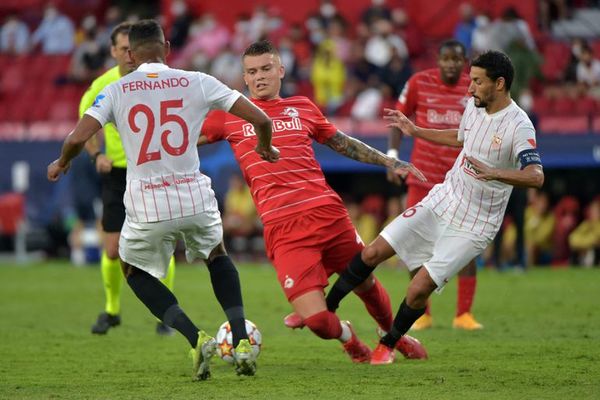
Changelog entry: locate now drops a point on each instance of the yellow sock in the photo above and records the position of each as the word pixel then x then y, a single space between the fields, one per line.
pixel 112 278
pixel 169 280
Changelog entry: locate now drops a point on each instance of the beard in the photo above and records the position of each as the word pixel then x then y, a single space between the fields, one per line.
pixel 479 103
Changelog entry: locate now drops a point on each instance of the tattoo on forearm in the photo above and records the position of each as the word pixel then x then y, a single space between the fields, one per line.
pixel 357 150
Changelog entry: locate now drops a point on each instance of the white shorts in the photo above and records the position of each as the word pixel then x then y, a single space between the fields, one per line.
pixel 149 246
pixel 421 238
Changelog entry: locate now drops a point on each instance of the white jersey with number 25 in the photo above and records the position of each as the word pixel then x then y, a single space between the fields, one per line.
pixel 158 112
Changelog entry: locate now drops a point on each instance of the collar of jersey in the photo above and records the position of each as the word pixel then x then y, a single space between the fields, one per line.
pixel 152 67
pixel 501 112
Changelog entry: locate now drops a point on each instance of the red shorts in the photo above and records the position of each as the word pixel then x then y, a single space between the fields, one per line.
pixel 306 249
pixel 415 194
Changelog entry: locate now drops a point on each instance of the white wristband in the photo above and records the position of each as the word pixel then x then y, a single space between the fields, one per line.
pixel 392 153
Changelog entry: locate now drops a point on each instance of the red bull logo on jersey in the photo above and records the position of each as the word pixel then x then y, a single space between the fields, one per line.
pixel 450 117
pixel 290 112
pixel 167 83
pixel 279 125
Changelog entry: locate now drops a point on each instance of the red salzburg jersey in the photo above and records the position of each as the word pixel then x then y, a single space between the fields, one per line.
pixel 294 183
pixel 437 106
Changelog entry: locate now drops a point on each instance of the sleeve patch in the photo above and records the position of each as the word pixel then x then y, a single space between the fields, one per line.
pixel 528 157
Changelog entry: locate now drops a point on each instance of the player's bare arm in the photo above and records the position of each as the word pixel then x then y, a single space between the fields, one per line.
pixel 74 143
pixel 101 161
pixel 530 176
pixel 359 151
pixel 394 139
pixel 263 127
pixel 398 120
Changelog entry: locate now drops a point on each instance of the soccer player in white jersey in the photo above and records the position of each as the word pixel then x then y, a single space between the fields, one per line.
pixel 456 221
pixel 158 112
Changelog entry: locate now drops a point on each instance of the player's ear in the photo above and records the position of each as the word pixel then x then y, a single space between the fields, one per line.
pixel 281 71
pixel 167 48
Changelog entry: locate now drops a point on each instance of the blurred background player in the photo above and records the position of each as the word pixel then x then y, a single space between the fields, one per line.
pixel 436 97
pixel 112 167
pixel 308 233
pixel 166 197
pixel 460 217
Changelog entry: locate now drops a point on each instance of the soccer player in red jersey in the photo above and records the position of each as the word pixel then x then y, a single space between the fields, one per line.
pixel 437 98
pixel 307 230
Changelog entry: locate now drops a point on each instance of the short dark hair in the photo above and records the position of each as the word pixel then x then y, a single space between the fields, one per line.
pixel 451 43
pixel 496 65
pixel 259 48
pixel 122 28
pixel 146 31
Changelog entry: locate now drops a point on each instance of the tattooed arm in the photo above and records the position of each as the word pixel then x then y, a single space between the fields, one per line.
pixel 359 151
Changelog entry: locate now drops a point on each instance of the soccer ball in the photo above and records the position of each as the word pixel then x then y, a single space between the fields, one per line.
pixel 225 340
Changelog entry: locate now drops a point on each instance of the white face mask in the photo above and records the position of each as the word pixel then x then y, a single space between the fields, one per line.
pixel 328 10
pixel 51 13
pixel 178 8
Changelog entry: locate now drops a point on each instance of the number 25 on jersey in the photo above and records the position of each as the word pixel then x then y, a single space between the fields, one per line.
pixel 165 117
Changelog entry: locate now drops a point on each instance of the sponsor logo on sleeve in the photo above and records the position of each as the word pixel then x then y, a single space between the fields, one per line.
pixel 97 100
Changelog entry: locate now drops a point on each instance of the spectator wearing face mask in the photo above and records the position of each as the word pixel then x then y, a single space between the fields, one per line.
pixel 56 33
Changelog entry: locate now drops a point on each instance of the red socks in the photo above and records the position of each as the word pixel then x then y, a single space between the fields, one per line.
pixel 466 293
pixel 325 325
pixel 378 305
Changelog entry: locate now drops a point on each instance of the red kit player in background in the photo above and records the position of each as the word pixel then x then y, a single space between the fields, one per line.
pixel 437 98
pixel 307 230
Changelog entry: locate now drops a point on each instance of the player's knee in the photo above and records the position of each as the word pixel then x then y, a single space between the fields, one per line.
pixel 371 255
pixel 324 324
pixel 218 251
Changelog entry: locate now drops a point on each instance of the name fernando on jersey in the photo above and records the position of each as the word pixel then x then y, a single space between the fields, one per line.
pixel 166 83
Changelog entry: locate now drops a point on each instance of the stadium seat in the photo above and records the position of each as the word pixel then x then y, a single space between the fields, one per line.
pixel 543 105
pixel 12 212
pixel 556 56
pixel 585 106
pixel 566 215
pixel 564 124
pixel 564 106
pixel 63 110
pixel 12 131
pixel 596 124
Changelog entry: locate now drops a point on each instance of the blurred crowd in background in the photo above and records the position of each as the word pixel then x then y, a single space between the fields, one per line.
pixel 351 69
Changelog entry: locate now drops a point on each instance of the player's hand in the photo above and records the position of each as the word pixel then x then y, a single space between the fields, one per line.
pixel 103 164
pixel 396 179
pixel 484 172
pixel 54 170
pixel 270 154
pixel 399 121
pixel 403 168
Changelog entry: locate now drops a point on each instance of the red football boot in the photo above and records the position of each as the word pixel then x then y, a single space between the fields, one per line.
pixel 357 350
pixel 411 348
pixel 382 355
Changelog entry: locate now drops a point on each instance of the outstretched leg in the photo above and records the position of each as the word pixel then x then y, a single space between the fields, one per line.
pixel 161 302
pixel 359 270
pixel 312 309
pixel 412 307
pixel 226 285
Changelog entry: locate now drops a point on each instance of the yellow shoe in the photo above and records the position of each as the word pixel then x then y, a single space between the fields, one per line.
pixel 201 355
pixel 425 321
pixel 467 322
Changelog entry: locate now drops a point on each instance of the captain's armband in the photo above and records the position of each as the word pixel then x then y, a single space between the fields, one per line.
pixel 528 157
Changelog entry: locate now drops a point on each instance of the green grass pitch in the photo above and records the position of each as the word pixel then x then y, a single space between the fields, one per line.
pixel 541 341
